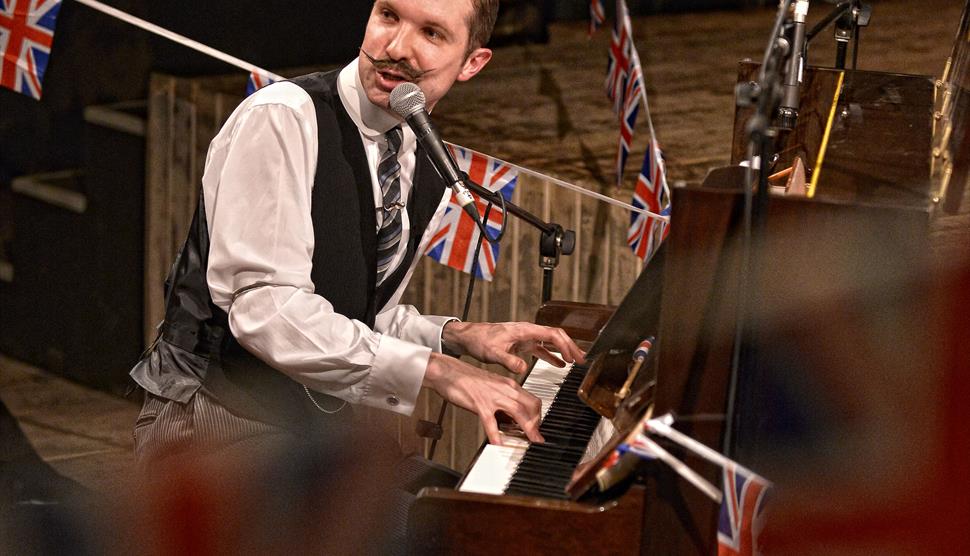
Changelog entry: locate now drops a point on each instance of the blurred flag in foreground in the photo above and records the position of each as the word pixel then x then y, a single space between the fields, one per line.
pixel 742 516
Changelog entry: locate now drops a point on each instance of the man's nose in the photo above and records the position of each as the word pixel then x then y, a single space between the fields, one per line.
pixel 400 45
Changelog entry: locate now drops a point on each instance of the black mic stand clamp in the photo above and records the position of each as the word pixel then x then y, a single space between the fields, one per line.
pixel 553 243
pixel 854 16
pixel 849 17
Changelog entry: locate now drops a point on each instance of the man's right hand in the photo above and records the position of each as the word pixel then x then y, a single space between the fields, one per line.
pixel 484 393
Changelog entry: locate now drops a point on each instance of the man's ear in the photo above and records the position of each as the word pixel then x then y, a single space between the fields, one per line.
pixel 474 63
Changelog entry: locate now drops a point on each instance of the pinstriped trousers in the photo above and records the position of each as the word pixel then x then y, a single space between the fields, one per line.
pixel 204 432
pixel 166 428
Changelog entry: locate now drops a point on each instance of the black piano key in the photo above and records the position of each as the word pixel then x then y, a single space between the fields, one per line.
pixel 546 469
pixel 523 484
pixel 554 480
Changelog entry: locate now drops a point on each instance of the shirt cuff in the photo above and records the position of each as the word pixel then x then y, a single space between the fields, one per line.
pixel 396 375
pixel 426 330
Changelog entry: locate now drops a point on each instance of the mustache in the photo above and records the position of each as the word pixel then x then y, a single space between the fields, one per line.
pixel 397 66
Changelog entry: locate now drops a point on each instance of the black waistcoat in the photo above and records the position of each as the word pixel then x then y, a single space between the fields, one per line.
pixel 343 271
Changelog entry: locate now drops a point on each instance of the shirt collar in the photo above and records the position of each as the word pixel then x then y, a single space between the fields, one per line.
pixel 370 119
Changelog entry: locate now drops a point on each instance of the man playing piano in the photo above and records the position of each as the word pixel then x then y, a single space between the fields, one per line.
pixel 282 308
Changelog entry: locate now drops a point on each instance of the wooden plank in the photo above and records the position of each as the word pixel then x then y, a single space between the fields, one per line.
pixel 158 140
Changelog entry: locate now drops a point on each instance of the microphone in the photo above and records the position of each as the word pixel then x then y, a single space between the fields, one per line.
pixel 788 109
pixel 407 100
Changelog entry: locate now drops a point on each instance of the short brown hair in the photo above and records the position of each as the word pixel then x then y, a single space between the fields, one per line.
pixel 482 22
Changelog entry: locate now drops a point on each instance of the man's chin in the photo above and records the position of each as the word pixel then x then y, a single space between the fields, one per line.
pixel 379 98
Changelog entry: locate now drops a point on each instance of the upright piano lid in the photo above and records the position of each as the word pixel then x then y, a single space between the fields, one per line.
pixel 638 315
pixel 951 144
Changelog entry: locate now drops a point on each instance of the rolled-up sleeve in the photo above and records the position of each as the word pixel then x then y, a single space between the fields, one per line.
pixel 258 184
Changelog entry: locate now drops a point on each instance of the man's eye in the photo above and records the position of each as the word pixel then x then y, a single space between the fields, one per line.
pixel 387 14
pixel 432 34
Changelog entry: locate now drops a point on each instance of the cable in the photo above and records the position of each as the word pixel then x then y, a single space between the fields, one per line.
pixel 468 302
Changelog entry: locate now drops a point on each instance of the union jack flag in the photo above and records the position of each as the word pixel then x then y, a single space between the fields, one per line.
pixel 257 80
pixel 597 15
pixel 631 106
pixel 453 244
pixel 26 36
pixel 646 233
pixel 742 516
pixel 620 62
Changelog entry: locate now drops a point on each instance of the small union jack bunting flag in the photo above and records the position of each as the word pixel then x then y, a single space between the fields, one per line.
pixel 453 244
pixel 624 84
pixel 596 15
pixel 26 36
pixel 257 81
pixel 651 193
pixel 742 516
pixel 620 60
pixel 631 107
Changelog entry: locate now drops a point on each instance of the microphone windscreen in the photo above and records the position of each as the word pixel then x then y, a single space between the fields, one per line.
pixel 406 99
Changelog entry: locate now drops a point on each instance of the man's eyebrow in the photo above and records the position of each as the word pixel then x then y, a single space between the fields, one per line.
pixel 432 24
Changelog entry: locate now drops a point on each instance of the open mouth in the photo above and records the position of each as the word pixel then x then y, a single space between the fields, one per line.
pixel 392 77
pixel 387 80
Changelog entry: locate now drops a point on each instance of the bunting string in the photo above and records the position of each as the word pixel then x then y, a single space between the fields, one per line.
pixel 244 65
pixel 576 188
pixel 175 37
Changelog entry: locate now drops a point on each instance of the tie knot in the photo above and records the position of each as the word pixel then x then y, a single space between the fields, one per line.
pixel 394 137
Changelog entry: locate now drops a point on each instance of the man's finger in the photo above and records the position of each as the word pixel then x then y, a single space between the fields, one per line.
pixel 542 353
pixel 511 362
pixel 491 428
pixel 531 430
pixel 564 344
pixel 525 413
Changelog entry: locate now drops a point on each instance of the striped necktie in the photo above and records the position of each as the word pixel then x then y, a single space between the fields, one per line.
pixel 389 177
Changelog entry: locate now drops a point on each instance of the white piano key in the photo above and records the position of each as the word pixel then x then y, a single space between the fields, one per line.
pixel 493 469
pixel 544 382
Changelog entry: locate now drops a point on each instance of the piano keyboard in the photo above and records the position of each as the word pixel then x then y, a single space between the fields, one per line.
pixel 542 470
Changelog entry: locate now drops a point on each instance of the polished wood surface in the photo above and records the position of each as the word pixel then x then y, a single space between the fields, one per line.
pixel 582 321
pixel 817 257
pixel 449 522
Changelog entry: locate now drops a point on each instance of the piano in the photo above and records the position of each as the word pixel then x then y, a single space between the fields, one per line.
pixel 850 259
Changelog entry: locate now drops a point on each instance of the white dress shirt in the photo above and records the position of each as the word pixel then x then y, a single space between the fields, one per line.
pixel 258 184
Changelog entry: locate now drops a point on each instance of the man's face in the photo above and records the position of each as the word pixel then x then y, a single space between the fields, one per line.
pixel 423 41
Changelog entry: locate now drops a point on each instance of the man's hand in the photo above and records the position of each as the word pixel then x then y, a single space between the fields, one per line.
pixel 506 343
pixel 484 393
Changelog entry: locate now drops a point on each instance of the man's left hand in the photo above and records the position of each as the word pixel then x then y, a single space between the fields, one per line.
pixel 506 343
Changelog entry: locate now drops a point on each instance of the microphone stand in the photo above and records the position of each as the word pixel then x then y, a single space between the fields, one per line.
pixel 766 95
pixel 850 16
pixel 554 242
